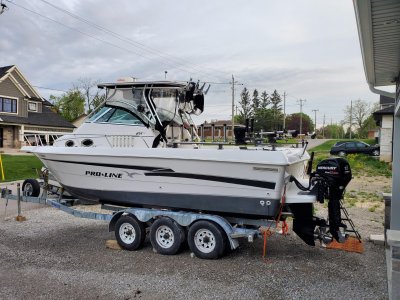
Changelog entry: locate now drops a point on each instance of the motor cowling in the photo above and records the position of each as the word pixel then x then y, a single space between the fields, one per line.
pixel 336 173
pixel 327 182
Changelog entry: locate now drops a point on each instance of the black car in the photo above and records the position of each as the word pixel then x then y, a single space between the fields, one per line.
pixel 350 147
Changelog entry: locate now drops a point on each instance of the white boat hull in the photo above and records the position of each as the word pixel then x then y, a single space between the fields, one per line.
pixel 236 182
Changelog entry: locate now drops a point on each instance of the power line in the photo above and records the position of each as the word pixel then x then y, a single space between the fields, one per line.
pixel 137 44
pixel 104 41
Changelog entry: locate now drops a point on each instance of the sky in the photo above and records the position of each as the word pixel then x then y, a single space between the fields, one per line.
pixel 308 49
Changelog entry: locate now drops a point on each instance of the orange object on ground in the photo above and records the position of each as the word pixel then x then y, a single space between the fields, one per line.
pixel 266 232
pixel 352 244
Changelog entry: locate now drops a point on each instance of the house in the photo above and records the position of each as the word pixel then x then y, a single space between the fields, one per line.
pixel 384 119
pixel 218 126
pixel 378 30
pixel 23 112
pixel 79 120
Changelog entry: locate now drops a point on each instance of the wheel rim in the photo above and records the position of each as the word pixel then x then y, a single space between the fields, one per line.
pixel 28 189
pixel 375 153
pixel 127 233
pixel 204 240
pixel 341 153
pixel 165 236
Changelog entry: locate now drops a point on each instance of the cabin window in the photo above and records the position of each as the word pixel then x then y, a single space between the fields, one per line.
pixel 32 106
pixel 99 113
pixel 116 116
pixel 123 117
pixel 8 105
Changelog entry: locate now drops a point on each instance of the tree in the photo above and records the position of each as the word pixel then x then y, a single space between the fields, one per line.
pixel 245 110
pixel 70 105
pixel 333 131
pixel 255 101
pixel 357 113
pixel 264 100
pixel 368 124
pixel 88 87
pixel 263 120
pixel 276 110
pixel 97 100
pixel 293 122
pixel 276 100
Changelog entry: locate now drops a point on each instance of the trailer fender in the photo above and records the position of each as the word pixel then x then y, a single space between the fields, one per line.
pixel 223 223
pixel 113 221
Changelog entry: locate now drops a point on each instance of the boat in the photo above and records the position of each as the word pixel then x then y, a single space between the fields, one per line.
pixel 141 148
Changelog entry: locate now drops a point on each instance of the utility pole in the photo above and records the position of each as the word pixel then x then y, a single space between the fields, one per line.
pixel 315 118
pixel 323 128
pixel 351 115
pixel 284 110
pixel 301 113
pixel 233 107
pixel 233 104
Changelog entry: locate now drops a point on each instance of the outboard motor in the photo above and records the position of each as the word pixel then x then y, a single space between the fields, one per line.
pixel 336 173
pixel 327 182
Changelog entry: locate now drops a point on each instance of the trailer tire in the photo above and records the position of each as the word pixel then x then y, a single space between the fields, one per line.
pixel 207 240
pixel 130 232
pixel 167 236
pixel 31 187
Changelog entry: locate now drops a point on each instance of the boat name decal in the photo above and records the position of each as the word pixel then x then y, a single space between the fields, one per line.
pixel 105 174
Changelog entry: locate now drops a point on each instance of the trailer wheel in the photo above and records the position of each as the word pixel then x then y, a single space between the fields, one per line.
pixel 129 232
pixel 207 240
pixel 31 187
pixel 167 236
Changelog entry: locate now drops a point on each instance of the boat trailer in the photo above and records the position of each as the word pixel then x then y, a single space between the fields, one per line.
pixel 209 236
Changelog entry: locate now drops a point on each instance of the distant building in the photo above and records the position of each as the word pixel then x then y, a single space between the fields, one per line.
pixel 218 126
pixel 384 119
pixel 79 120
pixel 24 112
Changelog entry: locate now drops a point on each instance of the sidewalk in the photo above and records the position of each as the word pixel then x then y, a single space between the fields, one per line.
pixel 11 151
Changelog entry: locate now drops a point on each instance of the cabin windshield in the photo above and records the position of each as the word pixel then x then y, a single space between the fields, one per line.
pixel 165 101
pixel 115 115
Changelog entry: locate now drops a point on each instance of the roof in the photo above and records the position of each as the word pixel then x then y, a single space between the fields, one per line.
pixel 378 23
pixel 47 103
pixel 386 100
pixel 3 70
pixel 149 84
pixel 385 111
pixel 46 118
pixel 219 122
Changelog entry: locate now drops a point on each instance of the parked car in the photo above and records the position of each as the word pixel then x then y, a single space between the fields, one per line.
pixel 349 147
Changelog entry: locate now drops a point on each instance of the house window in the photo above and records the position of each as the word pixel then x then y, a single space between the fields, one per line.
pixel 32 106
pixel 8 105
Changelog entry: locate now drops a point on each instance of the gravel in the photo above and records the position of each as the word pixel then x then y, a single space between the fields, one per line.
pixel 55 255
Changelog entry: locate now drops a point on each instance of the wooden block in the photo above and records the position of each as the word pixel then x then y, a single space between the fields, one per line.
pixel 351 244
pixel 113 244
pixel 20 218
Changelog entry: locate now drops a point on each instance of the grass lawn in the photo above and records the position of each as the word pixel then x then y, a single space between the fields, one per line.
pixel 19 167
pixel 360 164
pixel 328 144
